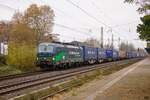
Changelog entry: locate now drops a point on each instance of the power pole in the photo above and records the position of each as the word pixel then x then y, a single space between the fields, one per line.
pixel 108 44
pixel 119 43
pixel 102 30
pixel 127 46
pixel 112 42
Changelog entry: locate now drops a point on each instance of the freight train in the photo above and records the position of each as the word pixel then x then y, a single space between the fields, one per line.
pixel 56 55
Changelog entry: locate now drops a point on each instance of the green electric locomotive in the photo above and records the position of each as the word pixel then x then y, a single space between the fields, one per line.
pixel 55 55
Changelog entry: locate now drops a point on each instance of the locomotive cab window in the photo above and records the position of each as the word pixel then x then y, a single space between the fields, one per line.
pixel 50 48
pixel 42 48
pixel 45 48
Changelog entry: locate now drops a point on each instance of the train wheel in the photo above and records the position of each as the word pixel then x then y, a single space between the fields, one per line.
pixel 100 60
pixel 77 64
pixel 44 67
pixel 65 66
pixel 55 67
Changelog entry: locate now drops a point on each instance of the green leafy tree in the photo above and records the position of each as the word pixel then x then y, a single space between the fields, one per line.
pixel 144 5
pixel 144 28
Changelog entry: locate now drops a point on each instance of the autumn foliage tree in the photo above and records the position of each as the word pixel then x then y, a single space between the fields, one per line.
pixel 4 30
pixel 27 32
pixel 21 52
pixel 40 19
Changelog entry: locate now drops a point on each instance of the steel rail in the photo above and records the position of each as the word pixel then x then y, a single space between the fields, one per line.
pixel 7 89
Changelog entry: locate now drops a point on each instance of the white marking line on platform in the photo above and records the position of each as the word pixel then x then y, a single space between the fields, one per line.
pixel 108 85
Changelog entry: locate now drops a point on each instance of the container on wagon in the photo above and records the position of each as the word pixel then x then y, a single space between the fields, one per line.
pixel 115 55
pixel 101 55
pixel 109 54
pixel 89 54
pixel 122 54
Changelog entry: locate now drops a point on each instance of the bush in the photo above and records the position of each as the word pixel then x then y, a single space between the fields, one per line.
pixel 2 59
pixel 22 56
pixel 148 45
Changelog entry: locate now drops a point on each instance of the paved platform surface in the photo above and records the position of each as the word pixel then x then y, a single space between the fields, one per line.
pixel 131 83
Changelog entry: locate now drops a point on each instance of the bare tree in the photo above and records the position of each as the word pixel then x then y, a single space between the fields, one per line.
pixel 92 42
pixel 126 47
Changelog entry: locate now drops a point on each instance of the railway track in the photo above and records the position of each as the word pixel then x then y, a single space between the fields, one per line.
pixel 47 79
pixel 7 77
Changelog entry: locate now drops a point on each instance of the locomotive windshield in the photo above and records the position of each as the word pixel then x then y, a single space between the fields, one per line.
pixel 45 48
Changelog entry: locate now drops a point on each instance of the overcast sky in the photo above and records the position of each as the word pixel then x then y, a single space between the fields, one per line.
pixel 121 17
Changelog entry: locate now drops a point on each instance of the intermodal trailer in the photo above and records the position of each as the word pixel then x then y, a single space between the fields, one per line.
pixel 101 55
pixel 90 54
pixel 115 55
pixel 128 55
pixel 134 54
pixel 109 54
pixel 122 54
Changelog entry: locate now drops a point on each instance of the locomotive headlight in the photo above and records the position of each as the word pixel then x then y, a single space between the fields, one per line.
pixel 53 58
pixel 63 57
